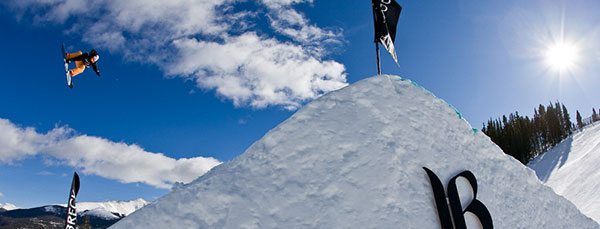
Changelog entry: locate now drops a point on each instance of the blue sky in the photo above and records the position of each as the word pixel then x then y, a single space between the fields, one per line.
pixel 188 84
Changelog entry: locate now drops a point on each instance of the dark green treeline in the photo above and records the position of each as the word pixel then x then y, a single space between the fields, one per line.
pixel 524 138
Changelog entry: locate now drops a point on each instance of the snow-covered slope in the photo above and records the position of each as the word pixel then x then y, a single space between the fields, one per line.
pixel 120 207
pixel 354 158
pixel 106 209
pixel 572 169
pixel 8 207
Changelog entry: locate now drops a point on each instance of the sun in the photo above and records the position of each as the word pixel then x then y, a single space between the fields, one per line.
pixel 562 56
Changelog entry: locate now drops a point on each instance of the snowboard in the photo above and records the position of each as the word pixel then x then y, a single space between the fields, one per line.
pixel 64 54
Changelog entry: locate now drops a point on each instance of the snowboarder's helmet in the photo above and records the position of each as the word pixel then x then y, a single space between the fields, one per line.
pixel 95 58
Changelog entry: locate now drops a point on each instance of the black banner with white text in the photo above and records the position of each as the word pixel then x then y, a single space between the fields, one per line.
pixel 71 220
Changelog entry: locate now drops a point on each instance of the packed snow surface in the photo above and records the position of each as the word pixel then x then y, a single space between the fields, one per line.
pixel 353 159
pixel 572 169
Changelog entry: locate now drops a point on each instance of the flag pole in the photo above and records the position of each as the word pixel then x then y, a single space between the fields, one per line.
pixel 378 64
pixel 375 4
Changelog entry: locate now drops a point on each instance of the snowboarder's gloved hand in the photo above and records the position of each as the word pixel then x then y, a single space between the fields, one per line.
pixel 95 67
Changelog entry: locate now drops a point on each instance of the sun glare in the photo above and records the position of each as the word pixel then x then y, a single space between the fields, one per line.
pixel 562 56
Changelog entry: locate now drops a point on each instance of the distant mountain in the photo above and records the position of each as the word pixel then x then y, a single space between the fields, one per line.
pixel 118 208
pixel 7 207
pixel 101 214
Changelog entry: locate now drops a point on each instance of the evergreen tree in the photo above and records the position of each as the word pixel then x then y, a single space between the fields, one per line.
pixel 579 122
pixel 568 125
pixel 553 123
pixel 594 115
pixel 524 138
pixel 541 126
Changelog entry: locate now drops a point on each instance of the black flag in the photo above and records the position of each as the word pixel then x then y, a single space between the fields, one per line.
pixel 385 16
pixel 71 209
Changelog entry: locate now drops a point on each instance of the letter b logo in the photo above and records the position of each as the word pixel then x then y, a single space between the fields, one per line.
pixel 475 207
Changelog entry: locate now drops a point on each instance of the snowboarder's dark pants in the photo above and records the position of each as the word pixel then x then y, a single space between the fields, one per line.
pixel 78 57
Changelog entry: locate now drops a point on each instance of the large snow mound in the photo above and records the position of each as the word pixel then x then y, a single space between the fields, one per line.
pixel 353 159
pixel 571 169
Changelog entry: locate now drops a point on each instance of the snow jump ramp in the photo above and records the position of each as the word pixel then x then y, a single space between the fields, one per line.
pixel 356 158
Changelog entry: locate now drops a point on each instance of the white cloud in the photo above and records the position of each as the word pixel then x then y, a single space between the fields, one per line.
pixel 293 24
pixel 17 143
pixel 289 22
pixel 1 195
pixel 281 3
pixel 45 173
pixel 94 155
pixel 262 72
pixel 211 41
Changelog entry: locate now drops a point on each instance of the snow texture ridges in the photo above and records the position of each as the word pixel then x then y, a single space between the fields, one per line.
pixel 353 159
pixel 571 169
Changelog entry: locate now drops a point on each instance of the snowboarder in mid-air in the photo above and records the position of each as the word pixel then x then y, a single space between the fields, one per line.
pixel 82 61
